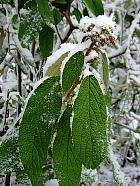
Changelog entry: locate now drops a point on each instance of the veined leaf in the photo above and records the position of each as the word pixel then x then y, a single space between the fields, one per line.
pixel 8 155
pixel 46 41
pixel 77 14
pixel 105 70
pixel 137 33
pixel 66 162
pixel 54 69
pixel 46 12
pixel 5 1
pixel 72 70
pixel 30 25
pixel 95 6
pixel 41 113
pixel 90 123
pixel 57 16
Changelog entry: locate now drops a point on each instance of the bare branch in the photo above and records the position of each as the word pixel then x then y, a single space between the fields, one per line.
pixel 118 52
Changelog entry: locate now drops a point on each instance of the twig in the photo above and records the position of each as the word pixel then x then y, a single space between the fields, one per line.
pixel 125 126
pixel 68 34
pixel 19 86
pixel 66 14
pixel 118 52
pixel 6 108
pixel 58 33
pixel 7 180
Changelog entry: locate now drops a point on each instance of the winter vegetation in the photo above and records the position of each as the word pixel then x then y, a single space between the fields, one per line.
pixel 69 92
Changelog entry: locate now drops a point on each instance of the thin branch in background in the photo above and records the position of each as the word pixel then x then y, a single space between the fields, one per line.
pixel 126 153
pixel 68 34
pixel 58 33
pixel 66 14
pixel 19 86
pixel 125 126
pixel 33 54
pixel 118 52
pixel 7 180
pixel 6 108
pixel 7 177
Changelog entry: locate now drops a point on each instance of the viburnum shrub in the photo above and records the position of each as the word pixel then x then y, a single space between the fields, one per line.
pixel 67 110
pixel 57 53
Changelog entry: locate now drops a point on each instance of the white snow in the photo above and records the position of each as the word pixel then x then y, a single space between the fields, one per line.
pixel 25 53
pixel 53 182
pixel 66 47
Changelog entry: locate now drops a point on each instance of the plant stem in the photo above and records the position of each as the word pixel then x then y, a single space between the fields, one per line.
pixel 7 180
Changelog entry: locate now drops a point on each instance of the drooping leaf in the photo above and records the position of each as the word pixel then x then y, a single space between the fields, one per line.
pixel 61 1
pixel 95 6
pixel 46 12
pixel 8 155
pixel 137 33
pixel 46 41
pixel 128 20
pixel 128 4
pixel 77 14
pixel 41 113
pixel 137 130
pixel 54 69
pixel 72 70
pixel 90 123
pixel 105 72
pixel 31 24
pixel 6 1
pixel 66 162
pixel 57 16
pixel 61 5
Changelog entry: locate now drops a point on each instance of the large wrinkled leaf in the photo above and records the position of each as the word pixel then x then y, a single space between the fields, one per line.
pixel 41 113
pixel 46 12
pixel 95 6
pixel 72 70
pixel 31 24
pixel 46 41
pixel 90 123
pixel 66 162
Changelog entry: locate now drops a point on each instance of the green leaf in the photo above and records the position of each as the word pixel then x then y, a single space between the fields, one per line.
pixel 66 162
pixel 105 72
pixel 46 12
pixel 61 5
pixel 57 16
pixel 46 41
pixel 61 1
pixel 95 6
pixel 8 155
pixel 31 24
pixel 137 130
pixel 90 123
pixel 41 113
pixel 137 33
pixel 72 70
pixel 6 1
pixel 77 14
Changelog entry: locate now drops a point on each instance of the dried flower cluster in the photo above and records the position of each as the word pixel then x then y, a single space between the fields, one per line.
pixel 99 30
